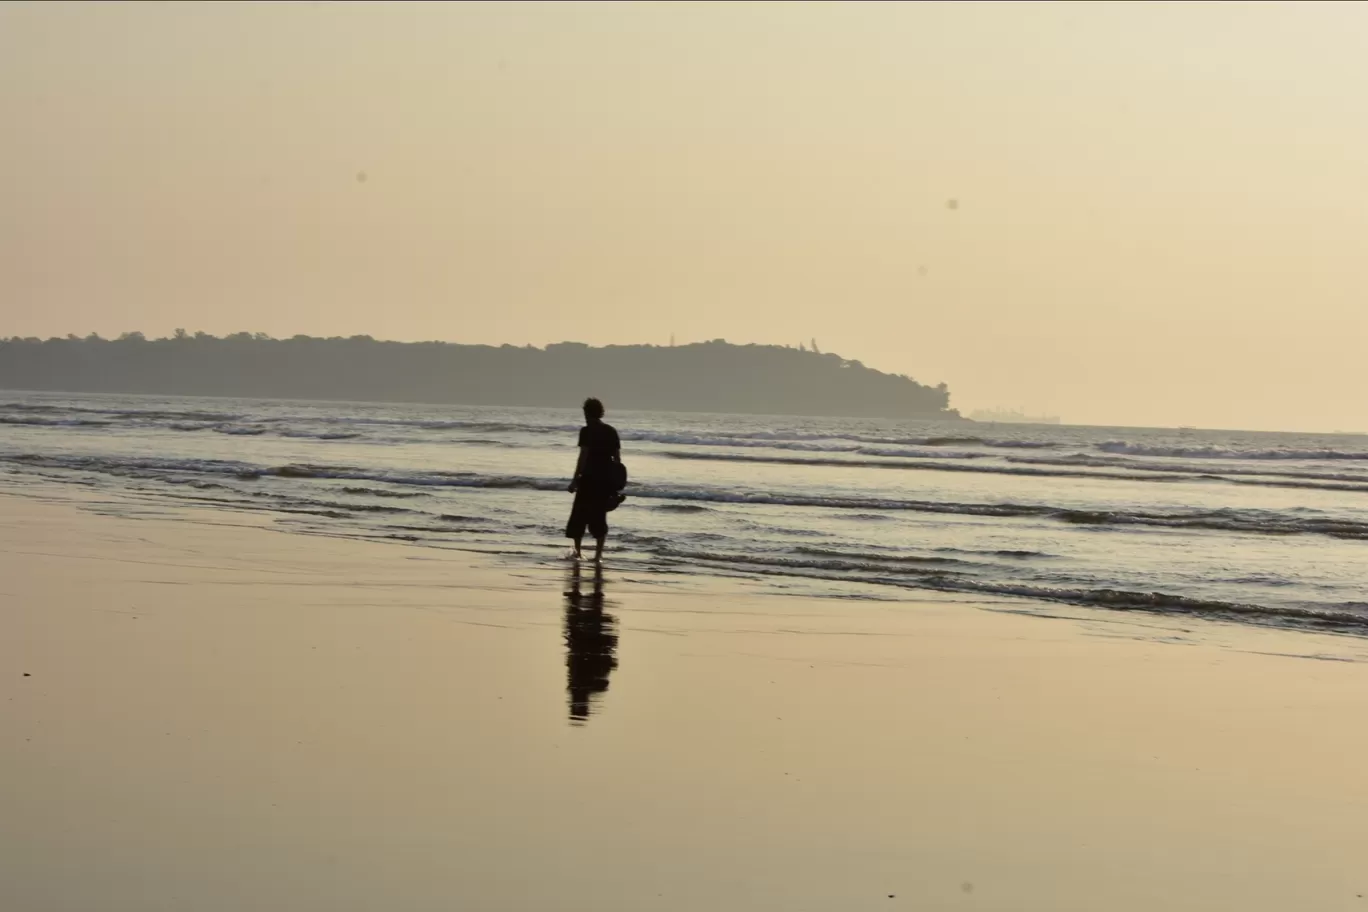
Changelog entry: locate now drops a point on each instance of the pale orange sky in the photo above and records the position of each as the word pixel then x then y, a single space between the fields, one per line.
pixel 1163 208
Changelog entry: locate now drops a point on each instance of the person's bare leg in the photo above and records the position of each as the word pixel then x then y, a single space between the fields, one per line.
pixel 579 542
pixel 598 550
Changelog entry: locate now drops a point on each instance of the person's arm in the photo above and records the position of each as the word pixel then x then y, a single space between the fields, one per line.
pixel 579 468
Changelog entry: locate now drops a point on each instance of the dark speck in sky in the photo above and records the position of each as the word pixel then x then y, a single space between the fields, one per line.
pixel 361 177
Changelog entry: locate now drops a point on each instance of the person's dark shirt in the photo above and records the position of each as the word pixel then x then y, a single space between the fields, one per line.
pixel 600 444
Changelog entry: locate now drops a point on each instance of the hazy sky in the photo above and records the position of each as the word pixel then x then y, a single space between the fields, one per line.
pixel 1162 209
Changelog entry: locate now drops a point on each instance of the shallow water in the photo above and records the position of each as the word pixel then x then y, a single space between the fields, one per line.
pixel 1257 527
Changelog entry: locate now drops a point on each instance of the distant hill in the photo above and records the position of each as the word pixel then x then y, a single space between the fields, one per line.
pixel 708 376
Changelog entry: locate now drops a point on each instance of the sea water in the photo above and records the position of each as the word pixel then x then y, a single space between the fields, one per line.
pixel 1264 528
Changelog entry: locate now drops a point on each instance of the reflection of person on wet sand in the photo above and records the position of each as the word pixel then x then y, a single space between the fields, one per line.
pixel 590 641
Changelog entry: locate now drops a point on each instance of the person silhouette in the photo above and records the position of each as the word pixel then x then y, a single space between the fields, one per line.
pixel 590 643
pixel 593 486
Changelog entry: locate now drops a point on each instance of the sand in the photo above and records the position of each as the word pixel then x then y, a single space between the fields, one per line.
pixel 206 714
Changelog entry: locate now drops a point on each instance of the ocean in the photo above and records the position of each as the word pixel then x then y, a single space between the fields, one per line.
pixel 1237 526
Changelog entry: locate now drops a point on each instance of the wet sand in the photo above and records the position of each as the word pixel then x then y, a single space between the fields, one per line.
pixel 209 716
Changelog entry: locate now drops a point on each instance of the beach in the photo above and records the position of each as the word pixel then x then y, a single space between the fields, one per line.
pixel 207 713
pixel 968 391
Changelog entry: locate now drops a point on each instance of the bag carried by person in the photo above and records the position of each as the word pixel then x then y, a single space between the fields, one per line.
pixel 617 479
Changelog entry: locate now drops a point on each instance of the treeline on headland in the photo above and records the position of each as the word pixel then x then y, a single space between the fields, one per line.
pixel 711 376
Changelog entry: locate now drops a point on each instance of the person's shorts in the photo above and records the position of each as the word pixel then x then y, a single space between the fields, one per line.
pixel 590 511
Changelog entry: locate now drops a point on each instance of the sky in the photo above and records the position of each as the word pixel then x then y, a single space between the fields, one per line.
pixel 1130 214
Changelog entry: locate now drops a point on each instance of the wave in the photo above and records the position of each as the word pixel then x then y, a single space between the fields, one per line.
pixel 1343 618
pixel 30 407
pixel 1338 619
pixel 355 508
pixel 333 422
pixel 875 558
pixel 224 422
pixel 125 412
pixel 186 422
pixel 38 421
pixel 932 466
pixel 250 430
pixel 1256 522
pixel 1120 462
pixel 1346 617
pixel 1245 521
pixel 441 424
pixel 1137 473
pixel 117 465
pixel 1216 452
pixel 818 442
pixel 325 435
pixel 153 466
pixel 427 479
pixel 376 492
pixel 347 495
pixel 853 564
pixel 779 438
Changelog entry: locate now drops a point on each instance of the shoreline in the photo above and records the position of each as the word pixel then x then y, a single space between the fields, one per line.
pixel 217 718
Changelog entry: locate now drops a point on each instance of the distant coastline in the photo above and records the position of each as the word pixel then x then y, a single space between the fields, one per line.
pixel 715 376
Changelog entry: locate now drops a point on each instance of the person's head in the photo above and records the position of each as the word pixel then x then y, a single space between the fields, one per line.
pixel 593 410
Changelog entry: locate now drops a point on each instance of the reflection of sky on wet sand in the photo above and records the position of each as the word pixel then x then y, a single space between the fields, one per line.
pixel 329 725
